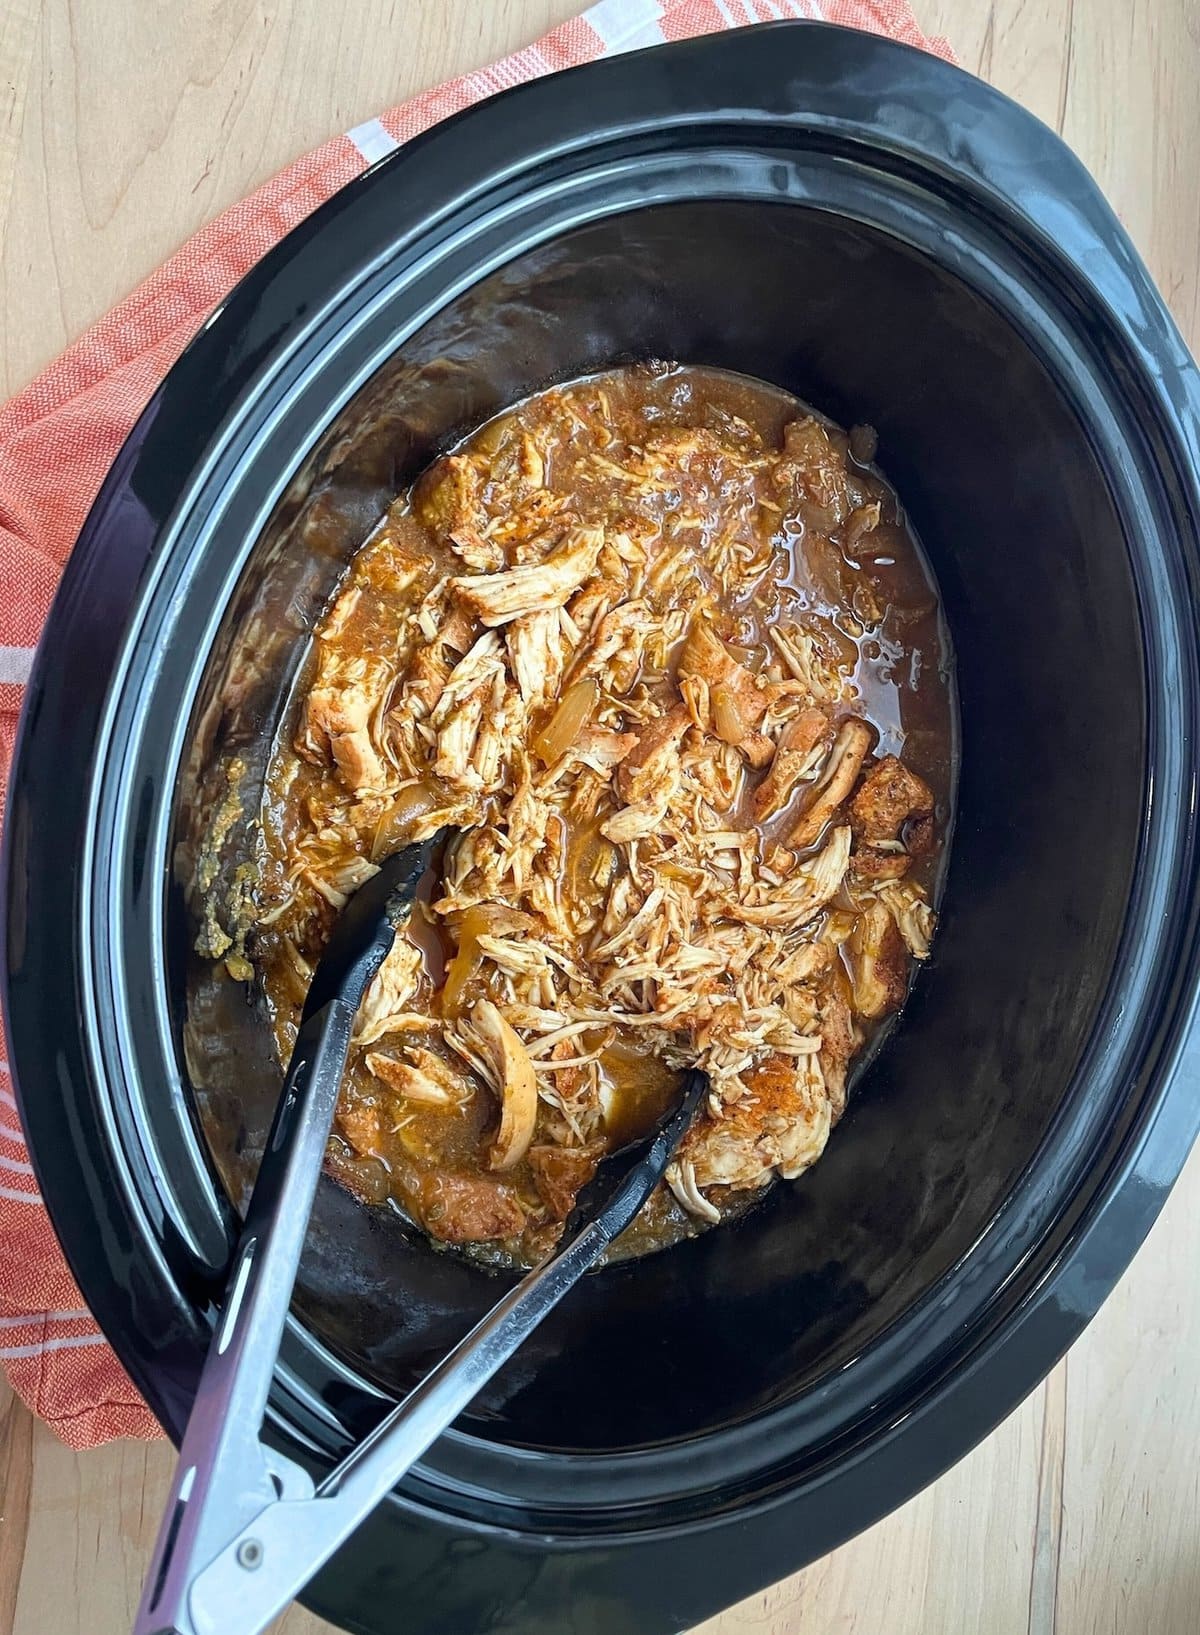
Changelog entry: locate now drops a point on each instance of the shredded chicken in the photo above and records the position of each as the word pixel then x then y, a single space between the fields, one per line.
pixel 728 700
pixel 419 1076
pixel 358 1122
pixel 510 1072
pixel 845 762
pixel 797 759
pixel 648 778
pixel 500 597
pixel 337 719
pixel 579 643
pixel 465 1208
pixel 559 1173
pixel 878 963
pixel 391 993
pixel 780 1125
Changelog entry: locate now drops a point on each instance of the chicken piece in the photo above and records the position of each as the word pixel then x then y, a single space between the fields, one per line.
pixel 537 655
pixel 427 676
pixel 500 597
pixel 889 797
pixel 532 462
pixel 495 1049
pixel 878 962
pixel 473 685
pixel 630 928
pixel 423 1078
pixel 527 822
pixel 454 631
pixel 648 777
pixel 593 602
pixel 870 868
pixel 779 1126
pixel 840 1038
pixel 656 751
pixel 519 529
pixel 449 493
pixel 809 960
pixel 813 472
pixel 812 659
pixel 601 749
pixel 694 691
pixel 912 914
pixel 718 771
pixel 849 751
pixel 569 1080
pixel 340 879
pixel 457 630
pixel 792 904
pixel 779 860
pixel 801 744
pixel 680 448
pixel 338 717
pixel 623 557
pixel 863 520
pixel 735 703
pixel 448 500
pixel 614 651
pixel 358 1123
pixel 516 956
pixel 391 991
pixel 560 1172
pixel 340 614
pixel 464 1208
pixel 500 734
pixel 680 1176
pixel 758 748
pixel 474 551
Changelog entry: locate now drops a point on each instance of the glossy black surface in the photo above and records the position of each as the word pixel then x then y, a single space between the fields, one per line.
pixel 897 243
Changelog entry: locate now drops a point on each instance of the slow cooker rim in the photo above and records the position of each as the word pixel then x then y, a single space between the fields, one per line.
pixel 115 484
pixel 477 1442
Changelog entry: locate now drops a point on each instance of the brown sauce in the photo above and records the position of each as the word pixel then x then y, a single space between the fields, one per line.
pixel 703 508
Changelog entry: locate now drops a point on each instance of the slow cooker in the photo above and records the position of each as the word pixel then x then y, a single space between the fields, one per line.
pixel 898 244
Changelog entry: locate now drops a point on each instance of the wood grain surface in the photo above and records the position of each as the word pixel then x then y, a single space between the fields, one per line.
pixel 126 124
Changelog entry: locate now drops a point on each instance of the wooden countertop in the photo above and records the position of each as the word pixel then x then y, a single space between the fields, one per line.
pixel 126 124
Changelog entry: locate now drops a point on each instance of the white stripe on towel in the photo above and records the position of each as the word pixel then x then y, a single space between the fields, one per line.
pixel 68 1342
pixel 373 140
pixel 15 665
pixel 34 1318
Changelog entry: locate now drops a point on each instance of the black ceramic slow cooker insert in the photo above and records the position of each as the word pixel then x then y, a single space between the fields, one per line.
pixel 896 243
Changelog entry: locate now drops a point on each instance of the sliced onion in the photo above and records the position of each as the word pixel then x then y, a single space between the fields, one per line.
pixel 731 726
pixel 574 710
pixel 587 853
pixel 395 825
pixel 483 920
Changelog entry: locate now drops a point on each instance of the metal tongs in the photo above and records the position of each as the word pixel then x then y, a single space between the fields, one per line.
pixel 245 1528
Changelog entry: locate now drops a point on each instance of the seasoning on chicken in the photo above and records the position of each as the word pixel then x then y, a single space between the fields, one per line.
pixel 535 587
pixel 607 640
pixel 779 1126
pixel 798 756
pixel 835 783
pixel 891 796
pixel 648 777
pixel 338 720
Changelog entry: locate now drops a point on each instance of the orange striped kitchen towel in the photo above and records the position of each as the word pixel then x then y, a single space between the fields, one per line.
pixel 57 440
